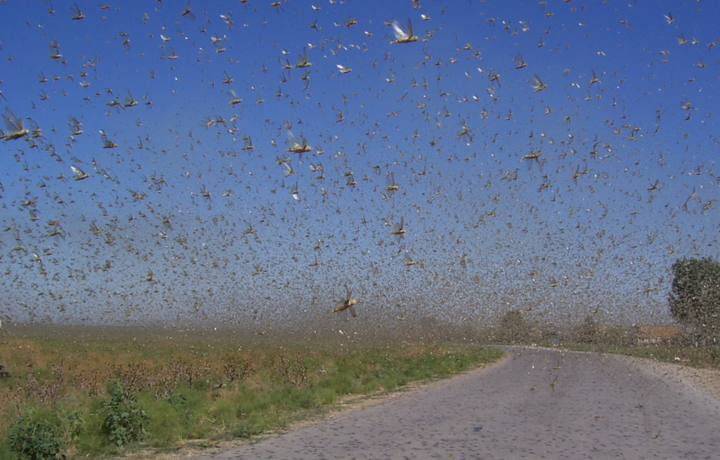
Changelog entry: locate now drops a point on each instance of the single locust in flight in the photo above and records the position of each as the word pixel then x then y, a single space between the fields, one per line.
pixel 296 146
pixel 399 230
pixel 390 185
pixel 400 35
pixel 15 126
pixel 107 143
pixel 302 61
pixel 79 174
pixel 346 304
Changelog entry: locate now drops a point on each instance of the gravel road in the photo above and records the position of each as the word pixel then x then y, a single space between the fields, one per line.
pixel 538 403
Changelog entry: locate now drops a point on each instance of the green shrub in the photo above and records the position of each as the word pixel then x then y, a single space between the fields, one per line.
pixel 124 421
pixel 35 439
pixel 72 424
pixel 695 297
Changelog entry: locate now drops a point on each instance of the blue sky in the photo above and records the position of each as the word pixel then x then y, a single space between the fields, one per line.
pixel 626 183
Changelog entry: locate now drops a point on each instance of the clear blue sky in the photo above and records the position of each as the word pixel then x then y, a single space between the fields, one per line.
pixel 626 183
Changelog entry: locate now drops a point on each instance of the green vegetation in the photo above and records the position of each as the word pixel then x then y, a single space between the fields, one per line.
pixel 79 395
pixel 124 420
pixel 35 439
pixel 695 297
pixel 665 343
pixel 112 396
pixel 669 352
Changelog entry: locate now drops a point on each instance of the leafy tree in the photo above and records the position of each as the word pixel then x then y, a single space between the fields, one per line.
pixel 695 296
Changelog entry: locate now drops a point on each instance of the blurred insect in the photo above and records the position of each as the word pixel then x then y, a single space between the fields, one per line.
pixel 302 61
pixel 295 146
pixel 464 261
pixel 54 49
pixel 494 77
pixel 669 18
pixel 295 192
pixel 533 157
pixel 409 261
pixel 107 143
pixel 248 145
pixel 77 14
pixel 249 230
pixel 346 304
pixel 594 78
pixel 465 131
pixel 578 172
pixel 399 230
pixel 78 173
pixel 15 126
pixel 343 69
pixel 520 61
pixel 537 84
pixel 289 171
pixel 390 185
pixel 234 99
pixel 400 35
pixel 129 101
pixel 187 12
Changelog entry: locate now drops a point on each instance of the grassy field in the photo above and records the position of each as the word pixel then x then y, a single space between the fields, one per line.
pixel 92 392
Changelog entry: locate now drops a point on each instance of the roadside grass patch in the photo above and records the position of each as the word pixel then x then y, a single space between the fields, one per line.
pixel 111 396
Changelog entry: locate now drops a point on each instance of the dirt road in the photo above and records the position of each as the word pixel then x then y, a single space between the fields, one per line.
pixel 535 404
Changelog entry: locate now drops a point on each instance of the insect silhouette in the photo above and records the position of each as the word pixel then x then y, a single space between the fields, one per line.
pixel 346 304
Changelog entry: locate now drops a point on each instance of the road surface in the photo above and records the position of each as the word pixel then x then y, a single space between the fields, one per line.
pixel 537 403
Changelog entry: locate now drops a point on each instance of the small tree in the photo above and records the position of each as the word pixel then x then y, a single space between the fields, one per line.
pixel 695 296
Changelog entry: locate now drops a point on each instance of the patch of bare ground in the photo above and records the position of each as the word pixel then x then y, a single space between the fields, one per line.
pixel 706 381
pixel 346 404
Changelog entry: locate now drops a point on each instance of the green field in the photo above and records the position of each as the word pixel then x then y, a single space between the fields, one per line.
pixel 115 391
pixel 92 391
